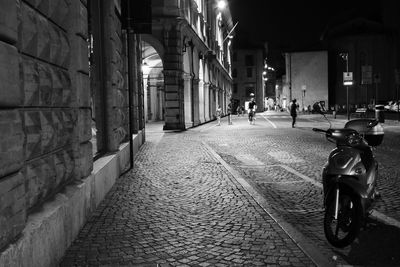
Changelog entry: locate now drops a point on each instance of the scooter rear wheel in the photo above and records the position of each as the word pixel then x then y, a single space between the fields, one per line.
pixel 342 231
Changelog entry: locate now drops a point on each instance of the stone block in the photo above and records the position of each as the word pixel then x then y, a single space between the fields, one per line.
pixel 63 123
pixel 8 184
pixel 58 12
pixel 27 30
pixel 67 92
pixel 64 59
pixel 44 6
pixel 34 3
pixel 64 166
pixel 8 21
pixel 56 87
pixel 33 131
pixel 47 130
pixel 84 125
pixel 43 32
pixel 10 94
pixel 83 157
pixel 45 85
pixel 58 45
pixel 79 52
pixel 49 134
pixel 40 180
pixel 12 142
pixel 55 44
pixel 12 207
pixel 78 19
pixel 29 81
pixel 82 85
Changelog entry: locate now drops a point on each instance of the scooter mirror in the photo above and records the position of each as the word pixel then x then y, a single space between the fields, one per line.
pixel 372 124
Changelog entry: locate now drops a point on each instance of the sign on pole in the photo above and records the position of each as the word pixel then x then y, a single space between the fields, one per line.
pixel 347 78
pixel 397 76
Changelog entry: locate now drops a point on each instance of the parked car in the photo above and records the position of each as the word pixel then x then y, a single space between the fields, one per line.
pixel 388 106
pixel 394 107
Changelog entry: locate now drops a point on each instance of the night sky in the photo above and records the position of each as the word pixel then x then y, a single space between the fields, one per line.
pixel 293 25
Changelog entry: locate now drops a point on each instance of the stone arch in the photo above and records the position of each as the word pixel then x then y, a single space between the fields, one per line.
pixel 153 79
pixel 154 42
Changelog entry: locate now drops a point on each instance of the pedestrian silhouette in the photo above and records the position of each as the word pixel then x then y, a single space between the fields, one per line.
pixel 293 112
pixel 218 114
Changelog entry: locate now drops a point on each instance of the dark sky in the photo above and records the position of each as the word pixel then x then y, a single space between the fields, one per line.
pixel 293 25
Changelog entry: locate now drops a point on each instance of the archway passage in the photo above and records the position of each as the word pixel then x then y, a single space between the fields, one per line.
pixel 153 84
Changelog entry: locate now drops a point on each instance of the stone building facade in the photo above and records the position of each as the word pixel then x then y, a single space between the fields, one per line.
pixel 248 68
pixel 74 102
pixel 56 75
pixel 306 79
pixel 190 38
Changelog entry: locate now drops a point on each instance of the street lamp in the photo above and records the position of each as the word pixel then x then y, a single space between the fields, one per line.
pixel 303 96
pixel 347 80
pixel 221 4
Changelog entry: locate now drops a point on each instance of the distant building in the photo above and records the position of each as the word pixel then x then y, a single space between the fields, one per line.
pixel 306 79
pixel 247 73
pixel 371 45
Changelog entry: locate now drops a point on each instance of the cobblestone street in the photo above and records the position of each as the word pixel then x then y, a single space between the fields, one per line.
pixel 180 207
pixel 231 195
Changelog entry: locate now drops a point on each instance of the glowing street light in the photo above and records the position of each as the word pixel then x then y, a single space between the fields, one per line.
pixel 221 4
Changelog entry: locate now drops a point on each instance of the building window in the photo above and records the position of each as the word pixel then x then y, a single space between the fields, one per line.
pixel 249 60
pixel 234 73
pixel 235 88
pixel 249 72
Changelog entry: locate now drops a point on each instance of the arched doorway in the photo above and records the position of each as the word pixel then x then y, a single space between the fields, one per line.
pixel 153 83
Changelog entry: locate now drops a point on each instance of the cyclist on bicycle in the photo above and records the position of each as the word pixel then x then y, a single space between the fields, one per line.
pixel 252 111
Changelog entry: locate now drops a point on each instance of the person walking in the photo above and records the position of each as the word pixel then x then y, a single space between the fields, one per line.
pixel 293 112
pixel 218 114
pixel 229 111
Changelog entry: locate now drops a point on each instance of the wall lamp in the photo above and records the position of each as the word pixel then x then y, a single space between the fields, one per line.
pixel 186 43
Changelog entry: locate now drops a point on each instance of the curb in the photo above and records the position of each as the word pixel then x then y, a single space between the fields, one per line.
pixel 298 238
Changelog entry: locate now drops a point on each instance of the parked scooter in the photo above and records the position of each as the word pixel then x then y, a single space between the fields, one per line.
pixel 349 179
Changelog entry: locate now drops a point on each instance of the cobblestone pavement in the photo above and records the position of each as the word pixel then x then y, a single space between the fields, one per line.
pixel 280 162
pixel 180 207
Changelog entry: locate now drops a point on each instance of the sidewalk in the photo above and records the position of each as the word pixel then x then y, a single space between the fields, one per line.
pixel 181 207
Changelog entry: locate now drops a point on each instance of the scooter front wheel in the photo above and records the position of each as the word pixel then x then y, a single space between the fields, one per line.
pixel 342 231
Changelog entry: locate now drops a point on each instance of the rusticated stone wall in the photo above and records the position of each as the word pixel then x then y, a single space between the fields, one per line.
pixel 44 104
pixel 115 60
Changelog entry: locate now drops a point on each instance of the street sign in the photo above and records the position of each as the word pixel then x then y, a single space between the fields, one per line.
pixel 366 74
pixel 347 78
